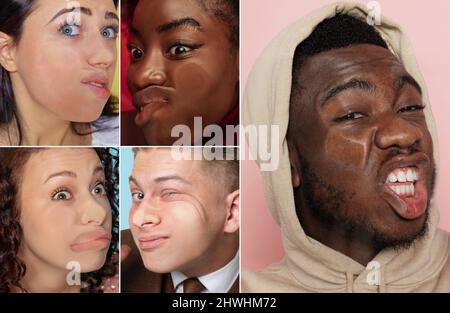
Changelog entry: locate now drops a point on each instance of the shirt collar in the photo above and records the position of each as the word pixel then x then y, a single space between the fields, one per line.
pixel 219 281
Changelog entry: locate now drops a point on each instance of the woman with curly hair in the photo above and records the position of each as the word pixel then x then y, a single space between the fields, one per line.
pixel 58 222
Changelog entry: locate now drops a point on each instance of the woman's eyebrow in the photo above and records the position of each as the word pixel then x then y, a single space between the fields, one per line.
pixel 111 15
pixel 70 10
pixel 108 15
pixel 62 173
pixel 98 169
pixel 186 21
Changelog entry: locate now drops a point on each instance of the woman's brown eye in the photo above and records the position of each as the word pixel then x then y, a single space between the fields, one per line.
pixel 177 50
pixel 99 190
pixel 61 195
pixel 136 54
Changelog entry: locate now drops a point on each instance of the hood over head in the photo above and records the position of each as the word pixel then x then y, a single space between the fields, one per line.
pixel 307 261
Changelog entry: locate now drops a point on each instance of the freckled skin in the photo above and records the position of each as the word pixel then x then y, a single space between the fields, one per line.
pixel 203 82
pixel 346 157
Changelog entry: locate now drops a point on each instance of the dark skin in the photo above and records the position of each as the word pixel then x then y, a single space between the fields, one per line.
pixel 344 139
pixel 183 65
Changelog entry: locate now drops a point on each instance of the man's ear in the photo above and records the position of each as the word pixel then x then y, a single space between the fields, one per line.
pixel 295 164
pixel 233 207
pixel 7 52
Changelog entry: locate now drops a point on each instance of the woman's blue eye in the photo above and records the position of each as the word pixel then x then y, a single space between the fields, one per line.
pixel 70 30
pixel 109 32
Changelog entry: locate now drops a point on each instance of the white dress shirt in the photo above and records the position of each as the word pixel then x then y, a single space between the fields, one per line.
pixel 219 281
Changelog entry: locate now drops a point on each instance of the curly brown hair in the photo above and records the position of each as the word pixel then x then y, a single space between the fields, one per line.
pixel 12 269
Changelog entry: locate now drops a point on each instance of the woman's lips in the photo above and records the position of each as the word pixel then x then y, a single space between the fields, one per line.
pixel 98 84
pixel 95 240
pixel 151 242
pixel 146 110
pixel 149 100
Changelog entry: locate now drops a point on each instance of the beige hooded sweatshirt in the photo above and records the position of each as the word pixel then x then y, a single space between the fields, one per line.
pixel 308 265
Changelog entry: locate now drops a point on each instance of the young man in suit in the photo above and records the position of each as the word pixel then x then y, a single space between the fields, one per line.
pixel 184 222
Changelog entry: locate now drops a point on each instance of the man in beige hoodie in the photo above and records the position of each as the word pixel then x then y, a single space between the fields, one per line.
pixel 353 189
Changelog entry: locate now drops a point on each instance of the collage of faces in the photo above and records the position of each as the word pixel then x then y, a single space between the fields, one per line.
pixel 133 159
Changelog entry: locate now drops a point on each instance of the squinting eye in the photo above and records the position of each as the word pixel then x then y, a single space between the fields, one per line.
pixel 70 30
pixel 61 195
pixel 169 194
pixel 99 190
pixel 350 116
pixel 179 49
pixel 136 53
pixel 412 108
pixel 109 32
pixel 137 196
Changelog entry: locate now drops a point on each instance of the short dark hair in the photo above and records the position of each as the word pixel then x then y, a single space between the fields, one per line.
pixel 339 31
pixel 225 168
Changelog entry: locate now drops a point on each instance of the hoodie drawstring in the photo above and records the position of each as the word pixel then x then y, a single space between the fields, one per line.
pixel 349 281
pixel 382 286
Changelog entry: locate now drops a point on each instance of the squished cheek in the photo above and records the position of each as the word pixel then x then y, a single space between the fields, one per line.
pixel 191 81
pixel 347 151
pixel 187 212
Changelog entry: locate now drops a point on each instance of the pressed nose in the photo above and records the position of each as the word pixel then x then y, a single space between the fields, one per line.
pixel 145 216
pixel 93 212
pixel 102 54
pixel 151 71
pixel 397 132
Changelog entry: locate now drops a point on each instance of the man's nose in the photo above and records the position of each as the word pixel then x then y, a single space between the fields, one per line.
pixel 145 215
pixel 150 71
pixel 397 132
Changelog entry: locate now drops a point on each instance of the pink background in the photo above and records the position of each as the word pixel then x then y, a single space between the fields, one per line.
pixel 427 24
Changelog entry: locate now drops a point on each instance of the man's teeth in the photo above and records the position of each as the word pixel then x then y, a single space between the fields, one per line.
pixel 403 175
pixel 403 190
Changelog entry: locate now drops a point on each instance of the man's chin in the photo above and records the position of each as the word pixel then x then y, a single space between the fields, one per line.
pixel 402 235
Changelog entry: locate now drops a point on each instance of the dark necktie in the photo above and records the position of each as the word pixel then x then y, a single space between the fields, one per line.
pixel 192 285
